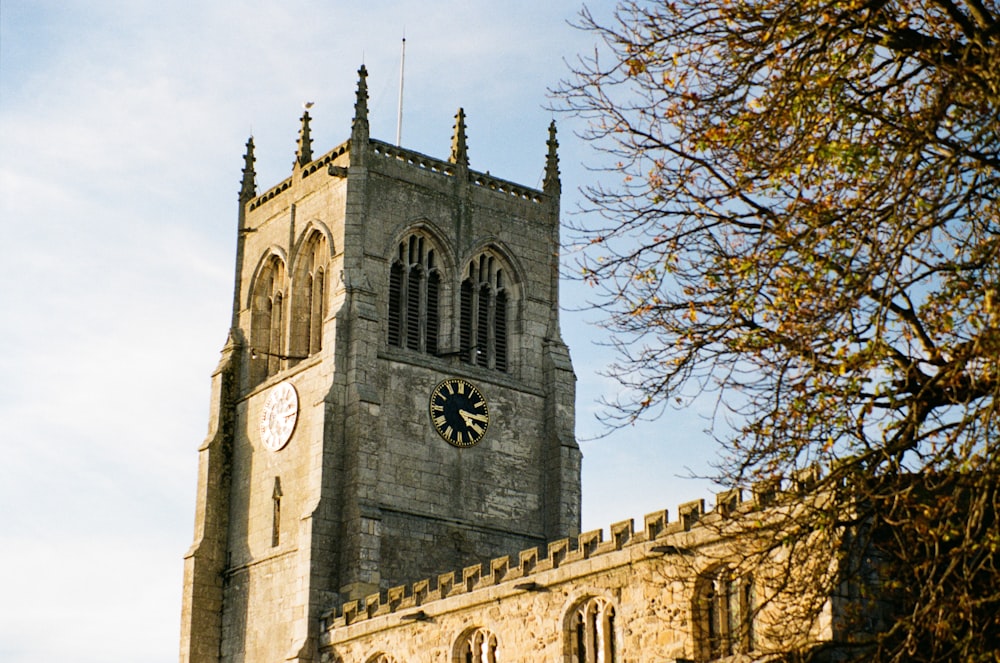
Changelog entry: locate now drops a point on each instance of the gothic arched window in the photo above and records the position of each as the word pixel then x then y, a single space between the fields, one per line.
pixel 414 296
pixel 477 646
pixel 723 610
pixel 483 311
pixel 381 658
pixel 310 294
pixel 592 632
pixel 267 338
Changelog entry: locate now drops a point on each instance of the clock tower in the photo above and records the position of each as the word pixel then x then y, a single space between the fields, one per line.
pixel 394 399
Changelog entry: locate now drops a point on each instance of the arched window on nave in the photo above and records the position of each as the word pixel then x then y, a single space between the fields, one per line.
pixel 592 637
pixel 723 614
pixel 477 646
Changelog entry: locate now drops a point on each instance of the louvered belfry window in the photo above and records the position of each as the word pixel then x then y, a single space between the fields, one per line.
pixel 414 293
pixel 483 332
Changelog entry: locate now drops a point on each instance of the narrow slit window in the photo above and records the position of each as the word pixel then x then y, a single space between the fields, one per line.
pixel 276 513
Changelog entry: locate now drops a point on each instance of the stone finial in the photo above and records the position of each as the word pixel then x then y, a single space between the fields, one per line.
pixel 248 189
pixel 360 125
pixel 303 155
pixel 459 150
pixel 551 183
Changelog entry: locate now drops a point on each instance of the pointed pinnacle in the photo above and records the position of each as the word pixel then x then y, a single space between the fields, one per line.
pixel 361 101
pixel 304 153
pixel 551 183
pixel 248 188
pixel 459 151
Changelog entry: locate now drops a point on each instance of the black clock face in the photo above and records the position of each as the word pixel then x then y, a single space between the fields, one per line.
pixel 459 413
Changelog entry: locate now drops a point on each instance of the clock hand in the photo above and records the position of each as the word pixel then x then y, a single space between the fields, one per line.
pixel 472 416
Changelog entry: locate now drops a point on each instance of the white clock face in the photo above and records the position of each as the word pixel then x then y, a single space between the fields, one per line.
pixel 277 420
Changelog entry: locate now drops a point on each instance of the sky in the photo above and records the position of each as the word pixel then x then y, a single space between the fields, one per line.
pixel 122 126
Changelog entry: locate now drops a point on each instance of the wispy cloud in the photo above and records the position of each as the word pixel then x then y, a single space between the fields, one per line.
pixel 121 130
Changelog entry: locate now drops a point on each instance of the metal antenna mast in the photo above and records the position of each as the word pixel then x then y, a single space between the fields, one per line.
pixel 399 115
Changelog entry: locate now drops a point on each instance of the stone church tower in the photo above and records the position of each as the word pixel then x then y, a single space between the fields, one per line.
pixel 394 399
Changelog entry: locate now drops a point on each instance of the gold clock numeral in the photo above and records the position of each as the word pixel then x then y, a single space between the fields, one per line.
pixel 440 421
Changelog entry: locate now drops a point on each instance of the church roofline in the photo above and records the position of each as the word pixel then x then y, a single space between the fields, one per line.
pixel 307 170
pixel 412 158
pixel 448 169
pixel 531 569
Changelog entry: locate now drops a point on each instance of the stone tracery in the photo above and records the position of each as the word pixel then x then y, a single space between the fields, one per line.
pixel 267 320
pixel 309 298
pixel 484 313
pixel 415 295
pixel 478 645
pixel 592 639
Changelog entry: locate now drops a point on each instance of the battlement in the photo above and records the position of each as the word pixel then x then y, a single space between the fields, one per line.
pixel 448 169
pixel 324 162
pixel 410 158
pixel 658 536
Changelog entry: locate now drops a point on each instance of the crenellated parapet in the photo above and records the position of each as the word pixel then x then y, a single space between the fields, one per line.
pixel 322 163
pixel 393 154
pixel 670 590
pixel 695 526
pixel 412 158
pixel 452 170
pixel 273 192
pixel 528 570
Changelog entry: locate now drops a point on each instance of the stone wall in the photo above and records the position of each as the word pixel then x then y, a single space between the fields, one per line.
pixel 370 495
pixel 650 581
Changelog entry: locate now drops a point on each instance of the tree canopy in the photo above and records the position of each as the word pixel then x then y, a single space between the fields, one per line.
pixel 800 213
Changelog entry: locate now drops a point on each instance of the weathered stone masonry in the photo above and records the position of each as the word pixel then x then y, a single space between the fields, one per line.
pixel 365 278
pixel 637 596
pixel 328 521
